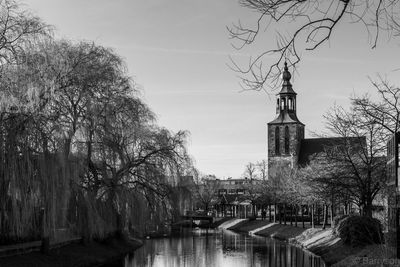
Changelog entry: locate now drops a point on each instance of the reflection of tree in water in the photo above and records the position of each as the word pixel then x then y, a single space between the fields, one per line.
pixel 227 249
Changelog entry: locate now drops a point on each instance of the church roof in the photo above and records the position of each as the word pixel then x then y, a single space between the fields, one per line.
pixel 286 117
pixel 287 89
pixel 309 148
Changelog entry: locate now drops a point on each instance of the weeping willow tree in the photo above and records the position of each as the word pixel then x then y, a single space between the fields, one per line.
pixel 78 143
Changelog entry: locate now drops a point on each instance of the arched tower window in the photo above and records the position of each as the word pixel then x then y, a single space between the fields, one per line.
pixel 277 105
pixel 290 104
pixel 287 140
pixel 277 143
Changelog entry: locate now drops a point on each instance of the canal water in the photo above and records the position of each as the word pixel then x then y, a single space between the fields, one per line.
pixel 219 248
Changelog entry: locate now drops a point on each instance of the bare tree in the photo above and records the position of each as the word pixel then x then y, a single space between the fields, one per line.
pixel 262 167
pixel 206 189
pixel 253 191
pixel 359 159
pixel 316 22
pixel 79 105
pixel 250 171
pixel 18 28
pixel 386 112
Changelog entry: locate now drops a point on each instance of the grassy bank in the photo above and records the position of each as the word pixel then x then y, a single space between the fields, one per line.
pixel 247 226
pixel 278 231
pixel 372 255
pixel 92 254
pixel 281 232
pixel 321 242
pixel 325 244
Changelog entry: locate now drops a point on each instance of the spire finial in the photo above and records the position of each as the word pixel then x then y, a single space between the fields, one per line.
pixel 286 74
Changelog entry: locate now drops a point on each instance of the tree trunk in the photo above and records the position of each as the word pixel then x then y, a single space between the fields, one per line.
pixel 45 248
pixel 295 215
pixel 284 213
pixel 312 216
pixel 325 207
pixel 270 215
pixel 367 210
pixel 332 215
pixel 302 215
pixel 67 147
pixel 275 212
pixel 291 215
pixel 280 214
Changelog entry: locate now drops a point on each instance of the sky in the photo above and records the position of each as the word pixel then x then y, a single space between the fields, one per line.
pixel 178 51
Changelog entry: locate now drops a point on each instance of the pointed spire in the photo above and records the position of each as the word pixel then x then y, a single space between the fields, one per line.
pixel 286 75
pixel 286 85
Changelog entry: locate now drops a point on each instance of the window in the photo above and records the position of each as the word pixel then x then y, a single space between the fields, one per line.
pixel 290 104
pixel 277 143
pixel 287 140
pixel 283 103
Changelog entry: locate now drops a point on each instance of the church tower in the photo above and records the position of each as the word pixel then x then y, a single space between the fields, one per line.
pixel 285 132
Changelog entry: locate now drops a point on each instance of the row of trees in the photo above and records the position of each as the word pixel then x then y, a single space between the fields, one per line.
pixel 350 172
pixel 76 138
pixel 352 168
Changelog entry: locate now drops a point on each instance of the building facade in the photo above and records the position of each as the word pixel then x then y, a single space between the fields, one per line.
pixel 286 131
pixel 392 174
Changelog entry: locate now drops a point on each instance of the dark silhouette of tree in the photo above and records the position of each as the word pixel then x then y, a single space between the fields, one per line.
pixel 76 138
pixel 359 164
pixel 315 23
pixel 385 111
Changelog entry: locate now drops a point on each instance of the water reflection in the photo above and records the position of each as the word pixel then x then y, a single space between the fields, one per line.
pixel 204 248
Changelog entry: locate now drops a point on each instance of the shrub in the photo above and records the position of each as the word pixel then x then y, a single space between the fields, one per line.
pixel 357 230
pixel 339 218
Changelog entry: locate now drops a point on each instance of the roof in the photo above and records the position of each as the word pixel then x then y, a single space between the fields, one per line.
pixel 287 89
pixel 309 148
pixel 286 117
pixel 229 199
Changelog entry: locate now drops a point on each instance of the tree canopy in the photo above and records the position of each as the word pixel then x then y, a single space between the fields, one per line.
pixel 77 139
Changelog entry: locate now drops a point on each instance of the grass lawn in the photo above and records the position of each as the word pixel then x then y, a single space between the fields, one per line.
pixel 247 226
pixel 282 232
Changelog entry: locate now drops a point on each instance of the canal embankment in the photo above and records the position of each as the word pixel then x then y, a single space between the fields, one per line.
pixel 96 253
pixel 321 242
